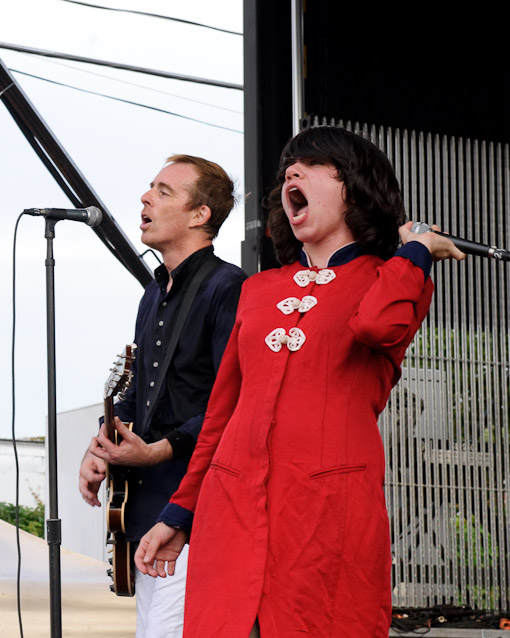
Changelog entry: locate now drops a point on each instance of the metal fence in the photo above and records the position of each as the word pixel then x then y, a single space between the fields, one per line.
pixel 446 426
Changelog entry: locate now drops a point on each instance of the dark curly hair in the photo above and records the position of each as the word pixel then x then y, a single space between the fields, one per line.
pixel 376 208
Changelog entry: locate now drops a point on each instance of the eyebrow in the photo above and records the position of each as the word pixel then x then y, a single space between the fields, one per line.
pixel 164 185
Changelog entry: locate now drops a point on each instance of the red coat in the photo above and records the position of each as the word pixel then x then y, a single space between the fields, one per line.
pixel 291 525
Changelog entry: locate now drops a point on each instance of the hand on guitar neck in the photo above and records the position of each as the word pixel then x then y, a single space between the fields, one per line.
pixel 132 449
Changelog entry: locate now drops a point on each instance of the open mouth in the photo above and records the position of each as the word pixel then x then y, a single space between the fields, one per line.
pixel 298 202
pixel 146 219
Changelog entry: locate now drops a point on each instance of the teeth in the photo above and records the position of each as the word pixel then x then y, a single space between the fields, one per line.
pixel 298 217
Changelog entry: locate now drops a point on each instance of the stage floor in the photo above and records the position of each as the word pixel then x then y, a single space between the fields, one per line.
pixel 89 608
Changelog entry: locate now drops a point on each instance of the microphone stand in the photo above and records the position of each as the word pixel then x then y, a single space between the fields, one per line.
pixel 53 523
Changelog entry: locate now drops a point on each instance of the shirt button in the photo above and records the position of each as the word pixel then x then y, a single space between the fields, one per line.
pixel 151 384
pixel 160 323
pixel 148 403
pixel 155 364
pixel 158 342
pixel 164 303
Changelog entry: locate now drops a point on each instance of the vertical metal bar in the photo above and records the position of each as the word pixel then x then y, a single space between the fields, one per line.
pixel 461 384
pixel 430 370
pixel 297 52
pixel 478 375
pixel 504 306
pixel 418 388
pixel 485 396
pixel 420 385
pixel 442 438
pixel 454 378
pixel 493 393
pixel 412 510
pixel 497 509
pixel 435 315
pixel 401 436
pixel 469 371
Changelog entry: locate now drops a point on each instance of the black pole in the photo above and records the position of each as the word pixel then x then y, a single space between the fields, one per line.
pixel 53 527
pixel 67 175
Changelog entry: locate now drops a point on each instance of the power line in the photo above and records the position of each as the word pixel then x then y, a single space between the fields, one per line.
pixel 144 87
pixel 118 99
pixel 154 15
pixel 118 65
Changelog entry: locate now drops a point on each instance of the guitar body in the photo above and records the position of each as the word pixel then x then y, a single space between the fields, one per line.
pixel 121 562
pixel 117 482
pixel 117 478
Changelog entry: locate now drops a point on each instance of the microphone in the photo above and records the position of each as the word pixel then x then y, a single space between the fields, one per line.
pixel 467 246
pixel 92 216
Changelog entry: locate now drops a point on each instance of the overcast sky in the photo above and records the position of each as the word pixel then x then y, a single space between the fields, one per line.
pixel 119 148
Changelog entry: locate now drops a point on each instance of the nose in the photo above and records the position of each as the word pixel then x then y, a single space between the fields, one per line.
pixel 294 170
pixel 146 198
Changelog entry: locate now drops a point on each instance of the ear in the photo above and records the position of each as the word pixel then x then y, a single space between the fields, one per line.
pixel 200 216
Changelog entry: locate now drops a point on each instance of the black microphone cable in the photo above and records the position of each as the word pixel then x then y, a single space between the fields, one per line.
pixel 13 421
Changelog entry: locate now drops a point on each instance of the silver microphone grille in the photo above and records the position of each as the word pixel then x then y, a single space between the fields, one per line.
pixel 420 228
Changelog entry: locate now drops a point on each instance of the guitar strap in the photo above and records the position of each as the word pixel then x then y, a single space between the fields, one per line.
pixel 207 267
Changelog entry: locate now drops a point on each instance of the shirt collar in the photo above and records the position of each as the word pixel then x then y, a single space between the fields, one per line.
pixel 184 270
pixel 340 257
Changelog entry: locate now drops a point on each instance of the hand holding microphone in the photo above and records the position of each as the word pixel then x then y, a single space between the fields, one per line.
pixel 440 244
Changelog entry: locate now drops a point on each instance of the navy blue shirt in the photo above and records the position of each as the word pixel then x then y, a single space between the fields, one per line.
pixel 180 406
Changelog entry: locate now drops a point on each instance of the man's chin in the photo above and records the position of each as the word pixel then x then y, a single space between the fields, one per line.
pixel 146 239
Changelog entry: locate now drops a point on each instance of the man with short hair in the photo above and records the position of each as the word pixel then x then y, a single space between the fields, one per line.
pixel 182 213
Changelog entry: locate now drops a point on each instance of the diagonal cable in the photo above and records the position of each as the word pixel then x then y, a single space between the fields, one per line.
pixel 154 15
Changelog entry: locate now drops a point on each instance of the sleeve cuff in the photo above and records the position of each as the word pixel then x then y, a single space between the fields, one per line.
pixel 419 254
pixel 176 516
pixel 182 444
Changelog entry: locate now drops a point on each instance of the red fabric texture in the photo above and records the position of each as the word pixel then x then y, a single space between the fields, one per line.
pixel 287 477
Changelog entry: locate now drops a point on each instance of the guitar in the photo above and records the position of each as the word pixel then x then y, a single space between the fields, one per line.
pixel 117 476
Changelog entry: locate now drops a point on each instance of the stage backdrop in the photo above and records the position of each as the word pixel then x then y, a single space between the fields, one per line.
pixel 446 427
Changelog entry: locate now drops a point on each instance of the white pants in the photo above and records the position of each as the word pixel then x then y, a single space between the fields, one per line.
pixel 160 602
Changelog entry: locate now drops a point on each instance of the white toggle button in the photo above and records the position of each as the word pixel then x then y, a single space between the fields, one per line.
pixel 296 339
pixel 287 306
pixel 304 277
pixel 278 338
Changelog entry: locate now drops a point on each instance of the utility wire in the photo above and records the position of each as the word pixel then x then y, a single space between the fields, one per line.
pixel 118 65
pixel 143 86
pixel 118 99
pixel 154 15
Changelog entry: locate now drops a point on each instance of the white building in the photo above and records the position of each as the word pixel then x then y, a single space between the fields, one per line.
pixel 32 466
pixel 83 527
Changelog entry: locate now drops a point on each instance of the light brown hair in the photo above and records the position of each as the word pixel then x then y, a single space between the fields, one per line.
pixel 213 188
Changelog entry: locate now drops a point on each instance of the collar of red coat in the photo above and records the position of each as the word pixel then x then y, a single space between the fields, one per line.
pixel 413 250
pixel 340 257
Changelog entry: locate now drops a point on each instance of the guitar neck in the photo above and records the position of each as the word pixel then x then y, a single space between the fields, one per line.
pixel 108 418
